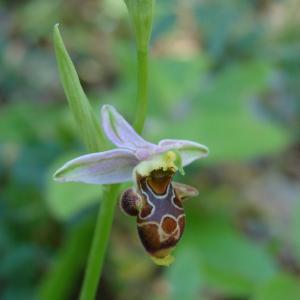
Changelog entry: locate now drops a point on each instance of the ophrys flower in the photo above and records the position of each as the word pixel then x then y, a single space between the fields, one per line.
pixel 155 200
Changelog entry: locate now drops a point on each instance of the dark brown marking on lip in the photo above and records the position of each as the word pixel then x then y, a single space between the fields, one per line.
pixel 168 225
pixel 159 181
pixel 149 237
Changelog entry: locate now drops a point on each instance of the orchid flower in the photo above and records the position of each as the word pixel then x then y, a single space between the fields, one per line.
pixel 155 200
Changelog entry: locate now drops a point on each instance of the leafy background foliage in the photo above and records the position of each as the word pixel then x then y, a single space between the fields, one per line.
pixel 224 73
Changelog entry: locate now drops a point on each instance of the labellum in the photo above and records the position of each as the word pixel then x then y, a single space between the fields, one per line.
pixel 157 204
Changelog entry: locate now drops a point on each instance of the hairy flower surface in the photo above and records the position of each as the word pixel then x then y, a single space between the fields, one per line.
pixel 155 200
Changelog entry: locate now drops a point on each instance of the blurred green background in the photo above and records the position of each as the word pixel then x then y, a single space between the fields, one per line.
pixel 225 73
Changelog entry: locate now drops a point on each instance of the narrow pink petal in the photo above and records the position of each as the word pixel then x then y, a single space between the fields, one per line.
pixel 189 150
pixel 107 167
pixel 120 132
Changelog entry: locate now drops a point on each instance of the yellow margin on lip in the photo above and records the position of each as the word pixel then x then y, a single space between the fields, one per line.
pixel 166 261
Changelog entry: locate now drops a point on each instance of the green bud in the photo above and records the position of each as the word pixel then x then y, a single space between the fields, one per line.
pixel 141 15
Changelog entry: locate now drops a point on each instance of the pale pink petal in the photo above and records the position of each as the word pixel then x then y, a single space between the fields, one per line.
pixel 120 132
pixel 113 166
pixel 188 150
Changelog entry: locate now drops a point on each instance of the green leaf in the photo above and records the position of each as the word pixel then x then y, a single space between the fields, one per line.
pixel 229 262
pixel 68 199
pixel 90 130
pixel 283 286
pixel 184 275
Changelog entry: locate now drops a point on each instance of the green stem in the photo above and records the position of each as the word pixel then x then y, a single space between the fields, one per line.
pixel 142 90
pixel 99 243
